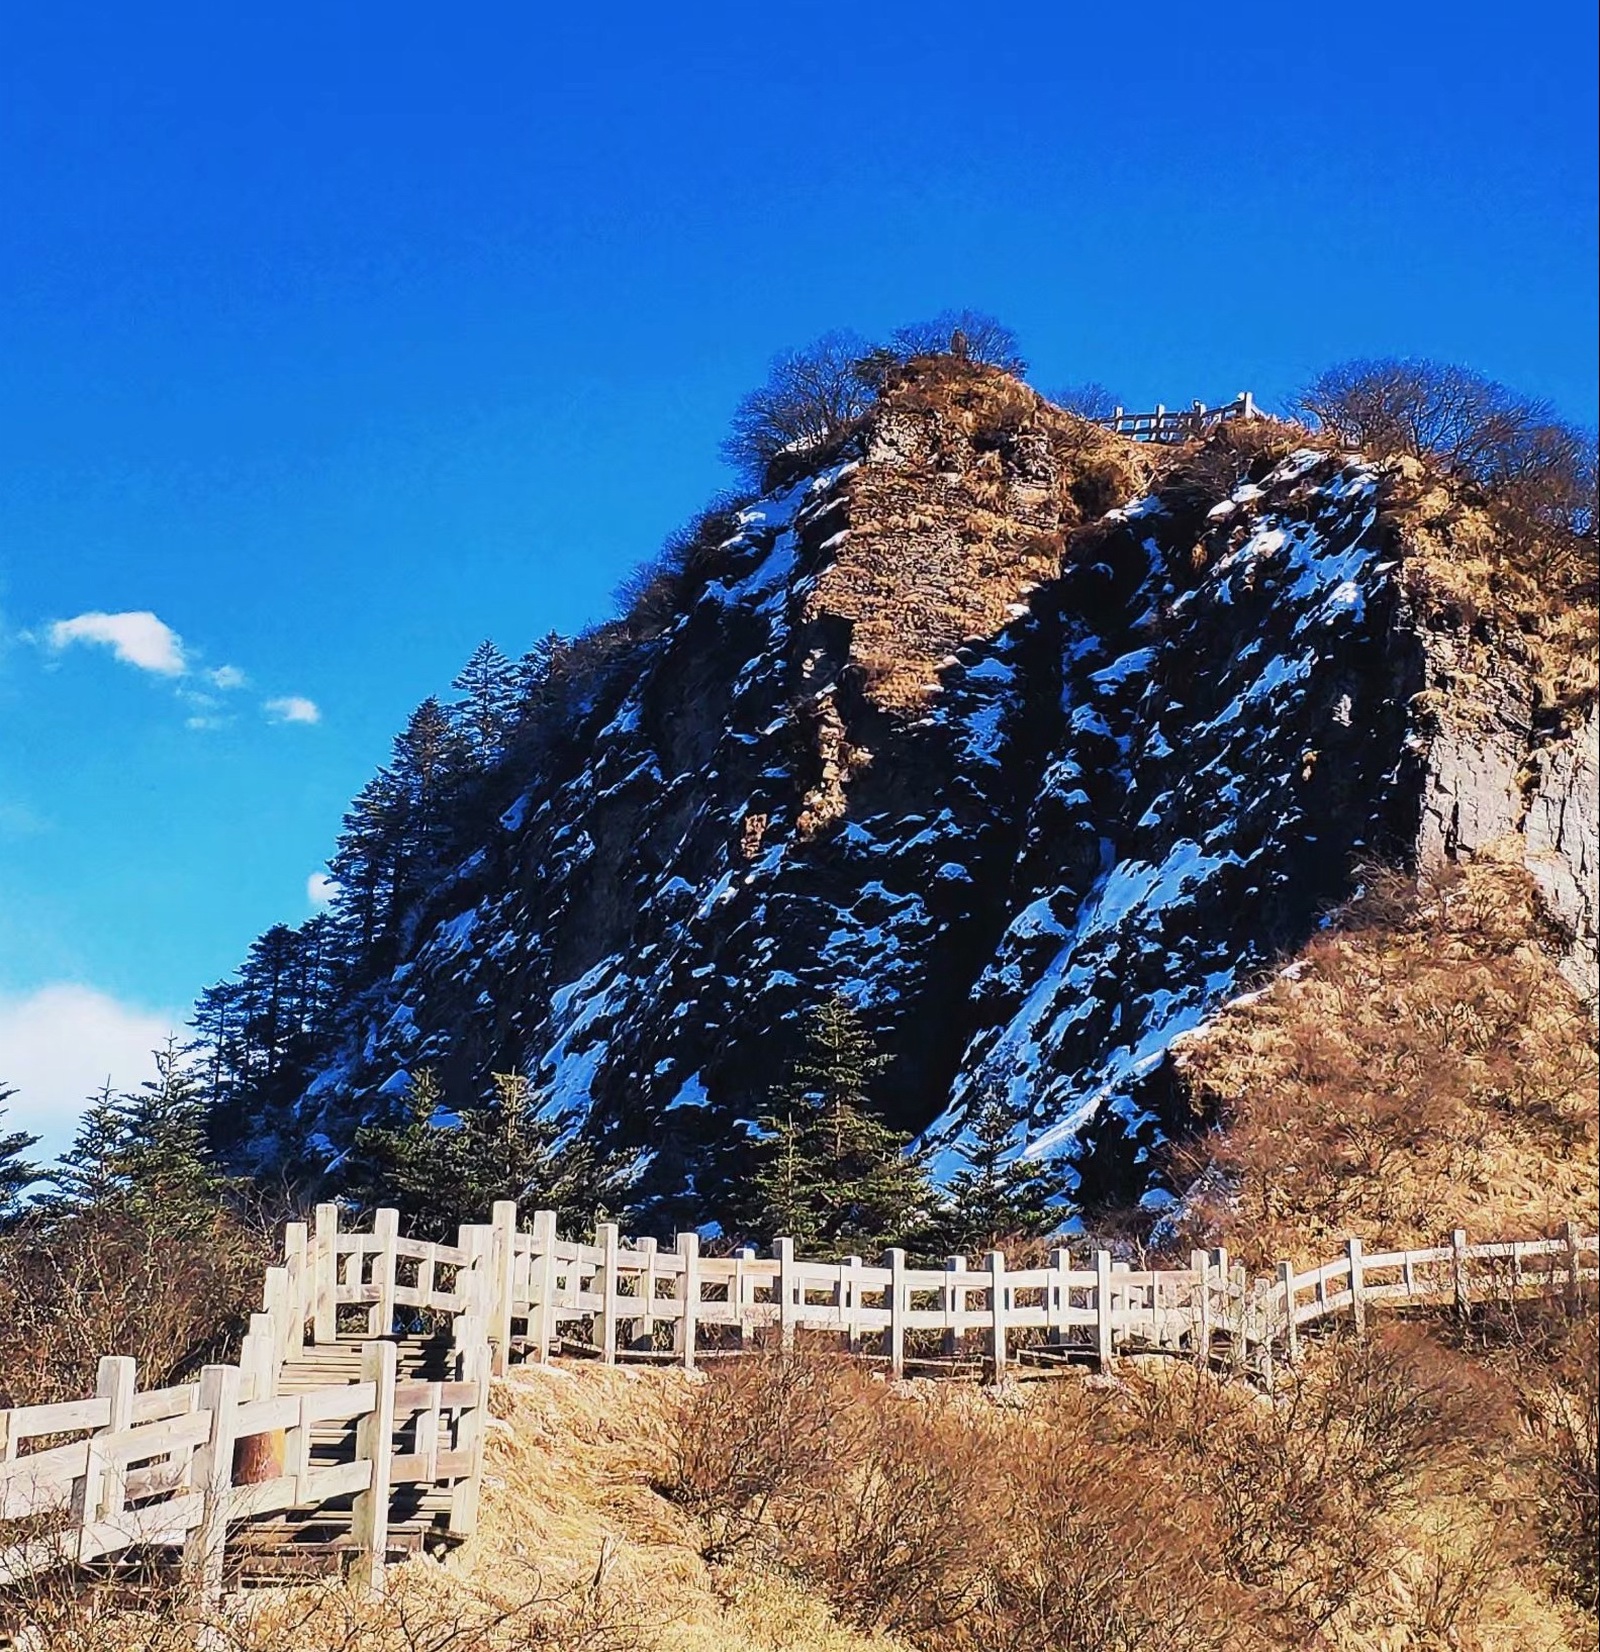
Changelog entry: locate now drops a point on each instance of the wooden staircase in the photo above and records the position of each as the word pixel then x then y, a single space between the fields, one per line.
pixel 320 1538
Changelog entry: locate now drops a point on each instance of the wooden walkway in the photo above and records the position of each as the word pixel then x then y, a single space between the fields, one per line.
pixel 351 1430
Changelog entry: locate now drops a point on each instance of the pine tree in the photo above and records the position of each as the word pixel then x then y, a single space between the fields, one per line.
pixel 488 710
pixel 441 1167
pixel 999 1194
pixel 16 1172
pixel 828 1171
pixel 92 1173
pixel 162 1151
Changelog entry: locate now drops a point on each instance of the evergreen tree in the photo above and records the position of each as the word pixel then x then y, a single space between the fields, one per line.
pixel 162 1154
pixel 441 1167
pixel 487 712
pixel 16 1172
pixel 828 1171
pixel 92 1173
pixel 143 1154
pixel 999 1194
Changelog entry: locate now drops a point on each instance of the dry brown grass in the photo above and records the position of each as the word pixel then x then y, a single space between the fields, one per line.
pixel 1425 1067
pixel 971 485
pixel 1505 598
pixel 1403 1495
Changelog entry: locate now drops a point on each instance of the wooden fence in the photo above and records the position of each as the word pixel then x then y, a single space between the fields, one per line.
pixel 1179 424
pixel 179 1467
pixel 165 1469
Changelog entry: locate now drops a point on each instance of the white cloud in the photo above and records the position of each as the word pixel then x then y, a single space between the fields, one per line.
pixel 59 1044
pixel 138 639
pixel 227 676
pixel 293 708
pixel 320 889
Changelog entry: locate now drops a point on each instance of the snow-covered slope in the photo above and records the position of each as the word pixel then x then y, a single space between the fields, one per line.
pixel 1038 789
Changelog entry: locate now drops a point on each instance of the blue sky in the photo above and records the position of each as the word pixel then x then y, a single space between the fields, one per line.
pixel 337 338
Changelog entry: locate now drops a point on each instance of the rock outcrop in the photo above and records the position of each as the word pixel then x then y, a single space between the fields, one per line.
pixel 1037 761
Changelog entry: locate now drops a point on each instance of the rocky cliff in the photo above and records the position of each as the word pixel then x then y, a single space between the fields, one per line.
pixel 1035 750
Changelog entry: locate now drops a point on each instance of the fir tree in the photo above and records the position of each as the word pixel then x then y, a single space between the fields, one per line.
pixel 162 1152
pixel 143 1154
pixel 441 1167
pixel 998 1194
pixel 489 684
pixel 829 1172
pixel 16 1172
pixel 92 1173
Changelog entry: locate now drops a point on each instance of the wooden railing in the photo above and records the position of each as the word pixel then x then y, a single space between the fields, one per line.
pixel 173 1468
pixel 616 1301
pixel 1179 424
pixel 164 1469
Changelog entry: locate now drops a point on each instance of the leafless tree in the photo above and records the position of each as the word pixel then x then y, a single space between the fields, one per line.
pixel 983 339
pixel 1089 400
pixel 811 396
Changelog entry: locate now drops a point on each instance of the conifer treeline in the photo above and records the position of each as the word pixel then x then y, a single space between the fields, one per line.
pixel 262 1033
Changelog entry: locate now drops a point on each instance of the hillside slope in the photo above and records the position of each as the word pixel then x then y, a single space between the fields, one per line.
pixel 1036 754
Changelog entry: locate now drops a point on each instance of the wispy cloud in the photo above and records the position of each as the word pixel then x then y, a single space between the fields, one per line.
pixel 321 889
pixel 292 708
pixel 138 639
pixel 61 1043
pixel 145 641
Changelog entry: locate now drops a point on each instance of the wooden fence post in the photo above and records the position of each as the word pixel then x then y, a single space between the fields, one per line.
pixel 997 1313
pixel 297 1293
pixel 386 1230
pixel 470 1434
pixel 1239 1307
pixel 212 1476
pixel 606 1237
pixel 1458 1272
pixel 325 1300
pixel 644 1327
pixel 783 1249
pixel 850 1289
pixel 99 1495
pixel 1358 1306
pixel 1291 1331
pixel 502 1270
pixel 1200 1268
pixel 542 1285
pixel 954 1299
pixel 1059 1296
pixel 739 1292
pixel 895 1336
pixel 369 1512
pixel 1105 1335
pixel 686 1329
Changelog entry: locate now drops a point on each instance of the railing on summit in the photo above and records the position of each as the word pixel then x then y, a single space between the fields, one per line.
pixel 1179 424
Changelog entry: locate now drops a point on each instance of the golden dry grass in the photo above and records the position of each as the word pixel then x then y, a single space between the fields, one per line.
pixel 972 483
pixel 1423 1067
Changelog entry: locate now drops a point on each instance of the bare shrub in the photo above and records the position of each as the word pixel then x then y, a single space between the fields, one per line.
pixel 116 1282
pixel 1089 400
pixel 970 335
pixel 897 1541
pixel 811 397
pixel 1537 469
pixel 757 1438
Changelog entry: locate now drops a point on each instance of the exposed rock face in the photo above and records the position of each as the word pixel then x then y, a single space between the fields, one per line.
pixel 1493 772
pixel 1037 797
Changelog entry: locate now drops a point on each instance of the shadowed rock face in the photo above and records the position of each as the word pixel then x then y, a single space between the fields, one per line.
pixel 1036 795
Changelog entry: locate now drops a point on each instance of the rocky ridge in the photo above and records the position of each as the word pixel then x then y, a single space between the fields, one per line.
pixel 1037 759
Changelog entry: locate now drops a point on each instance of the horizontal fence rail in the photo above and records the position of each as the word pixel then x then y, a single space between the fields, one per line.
pixel 1179 424
pixel 190 1467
